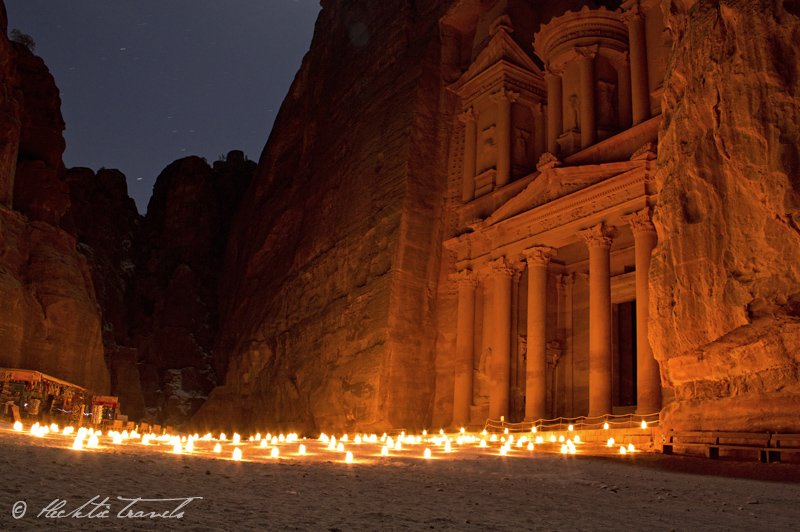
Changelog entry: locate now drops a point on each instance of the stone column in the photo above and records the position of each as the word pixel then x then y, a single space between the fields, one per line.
pixel 470 154
pixel 565 284
pixel 598 238
pixel 555 116
pixel 540 138
pixel 465 348
pixel 514 368
pixel 586 55
pixel 640 79
pixel 504 98
pixel 501 339
pixel 623 68
pixel 648 374
pixel 536 371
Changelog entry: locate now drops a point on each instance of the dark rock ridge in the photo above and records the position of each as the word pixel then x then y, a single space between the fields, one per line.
pixel 156 277
pixel 90 291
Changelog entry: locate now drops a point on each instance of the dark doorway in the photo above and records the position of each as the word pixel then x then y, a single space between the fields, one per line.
pixel 625 363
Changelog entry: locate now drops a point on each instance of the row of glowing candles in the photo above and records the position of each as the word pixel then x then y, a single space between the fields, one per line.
pixel 178 447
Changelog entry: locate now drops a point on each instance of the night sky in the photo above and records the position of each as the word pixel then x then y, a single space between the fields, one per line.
pixel 146 82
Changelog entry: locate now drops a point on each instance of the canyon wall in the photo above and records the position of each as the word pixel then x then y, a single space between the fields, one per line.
pixel 332 263
pixel 725 279
pixel 49 317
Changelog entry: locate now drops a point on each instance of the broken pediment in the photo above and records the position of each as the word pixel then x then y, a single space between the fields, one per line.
pixel 502 53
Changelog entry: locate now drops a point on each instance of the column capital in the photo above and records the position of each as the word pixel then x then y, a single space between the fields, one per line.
pixel 538 109
pixel 598 236
pixel 552 71
pixel 641 221
pixel 564 283
pixel 465 277
pixel 588 52
pixel 501 267
pixel 636 13
pixel 504 95
pixel 539 255
pixel 468 116
pixel 623 60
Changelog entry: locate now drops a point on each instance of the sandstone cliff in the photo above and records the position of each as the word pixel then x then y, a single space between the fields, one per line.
pixel 332 263
pixel 725 283
pixel 49 317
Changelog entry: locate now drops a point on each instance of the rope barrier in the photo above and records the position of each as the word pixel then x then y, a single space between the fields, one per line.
pixel 578 423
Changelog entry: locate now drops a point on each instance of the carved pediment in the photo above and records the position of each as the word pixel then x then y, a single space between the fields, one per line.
pixel 553 183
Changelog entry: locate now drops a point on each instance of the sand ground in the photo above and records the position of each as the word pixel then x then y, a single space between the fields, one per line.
pixel 468 490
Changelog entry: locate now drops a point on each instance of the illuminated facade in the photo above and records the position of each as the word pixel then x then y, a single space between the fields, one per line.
pixel 551 163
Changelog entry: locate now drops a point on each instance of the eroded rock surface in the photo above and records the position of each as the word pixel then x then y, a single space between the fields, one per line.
pixel 49 317
pixel 725 280
pixel 332 262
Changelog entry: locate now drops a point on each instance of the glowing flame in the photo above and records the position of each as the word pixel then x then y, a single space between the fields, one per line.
pixel 34 429
pixel 398 446
pixel 281 438
pixel 348 457
pixel 344 438
pixel 53 427
pixel 571 447
pixel 322 437
pixel 577 439
pixel 263 443
pixel 631 448
pixel 358 439
pixel 177 448
pixel 605 426
pixel 390 442
pixel 217 448
pixel 274 440
pixel 493 438
pixel 462 430
pixel 424 432
pixel 561 438
pixel 117 439
pixel 564 449
pixel 332 444
pixel 539 439
pixel 237 454
pixel 301 450
pixel 274 452
pixel 236 438
pixel 18 426
pixel 505 431
pixel 533 430
pixel 570 428
pixel 93 441
pixel 427 453
pixel 340 447
pixel 483 443
pixel 552 437
pixel 610 442
pixel 124 434
pixel 622 450
pixel 222 436
pixel 384 451
pixel 644 424
pixel 503 451
pixel 447 447
pixel 189 446
pixel 530 446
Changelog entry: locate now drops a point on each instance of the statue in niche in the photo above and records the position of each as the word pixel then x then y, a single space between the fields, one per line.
pixel 519 153
pixel 488 155
pixel 606 93
pixel 575 108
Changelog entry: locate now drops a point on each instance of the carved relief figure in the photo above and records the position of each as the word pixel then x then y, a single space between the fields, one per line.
pixel 488 156
pixel 520 152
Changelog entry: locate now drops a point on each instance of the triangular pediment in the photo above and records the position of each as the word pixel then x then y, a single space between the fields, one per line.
pixel 554 183
pixel 501 49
